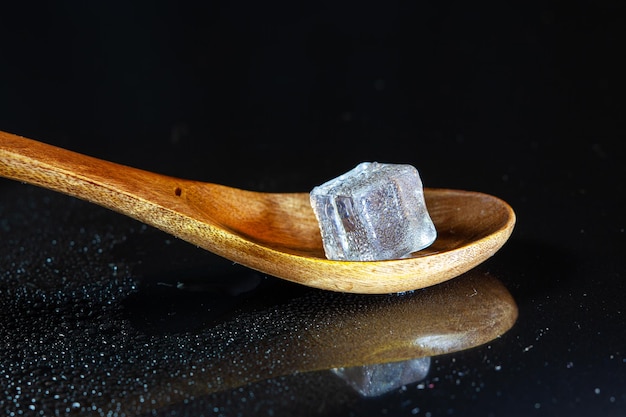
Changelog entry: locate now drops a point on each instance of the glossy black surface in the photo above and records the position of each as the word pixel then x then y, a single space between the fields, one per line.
pixel 521 101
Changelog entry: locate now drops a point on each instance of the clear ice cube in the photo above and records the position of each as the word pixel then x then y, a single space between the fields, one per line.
pixel 373 212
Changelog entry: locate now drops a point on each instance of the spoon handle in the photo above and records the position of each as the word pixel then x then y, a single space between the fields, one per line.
pixel 127 190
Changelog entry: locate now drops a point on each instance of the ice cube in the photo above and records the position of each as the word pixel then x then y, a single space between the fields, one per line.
pixel 373 212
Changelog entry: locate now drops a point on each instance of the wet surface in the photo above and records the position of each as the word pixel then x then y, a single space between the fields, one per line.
pixel 523 103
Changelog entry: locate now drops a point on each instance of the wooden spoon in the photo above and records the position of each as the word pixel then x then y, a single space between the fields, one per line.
pixel 271 232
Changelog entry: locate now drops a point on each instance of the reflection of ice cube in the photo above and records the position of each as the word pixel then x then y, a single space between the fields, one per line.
pixel 374 380
pixel 373 212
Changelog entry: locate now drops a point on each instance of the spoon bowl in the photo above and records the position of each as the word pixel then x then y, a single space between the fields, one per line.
pixel 275 233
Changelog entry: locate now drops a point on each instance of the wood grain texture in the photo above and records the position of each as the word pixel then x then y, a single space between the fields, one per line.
pixel 274 233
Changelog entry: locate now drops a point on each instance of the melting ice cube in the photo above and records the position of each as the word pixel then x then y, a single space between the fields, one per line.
pixel 373 212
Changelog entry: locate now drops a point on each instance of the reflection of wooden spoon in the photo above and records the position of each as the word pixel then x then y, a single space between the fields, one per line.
pixel 328 330
pixel 273 233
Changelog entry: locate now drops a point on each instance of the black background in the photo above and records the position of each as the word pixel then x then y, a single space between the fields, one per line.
pixel 521 100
